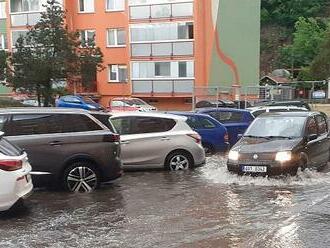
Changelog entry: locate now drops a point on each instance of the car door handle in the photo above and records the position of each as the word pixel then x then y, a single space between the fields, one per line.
pixel 165 138
pixel 124 142
pixel 56 143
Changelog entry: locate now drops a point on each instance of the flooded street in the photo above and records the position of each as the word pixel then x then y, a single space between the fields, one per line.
pixel 207 207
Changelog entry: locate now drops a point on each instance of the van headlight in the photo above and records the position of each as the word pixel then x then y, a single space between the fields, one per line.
pixel 233 155
pixel 283 156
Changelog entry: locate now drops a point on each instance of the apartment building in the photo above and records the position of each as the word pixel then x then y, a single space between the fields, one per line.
pixel 158 50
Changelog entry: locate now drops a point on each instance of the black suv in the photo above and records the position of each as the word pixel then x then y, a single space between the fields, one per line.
pixel 280 143
pixel 65 146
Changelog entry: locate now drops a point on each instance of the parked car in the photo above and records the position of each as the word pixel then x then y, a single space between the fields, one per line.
pixel 130 104
pixel 32 103
pixel 214 134
pixel 158 140
pixel 15 180
pixel 66 147
pixel 256 111
pixel 241 104
pixel 300 104
pixel 215 104
pixel 235 120
pixel 120 106
pixel 280 143
pixel 79 102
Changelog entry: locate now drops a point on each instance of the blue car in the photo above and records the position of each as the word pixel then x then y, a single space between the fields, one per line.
pixel 235 120
pixel 214 134
pixel 80 102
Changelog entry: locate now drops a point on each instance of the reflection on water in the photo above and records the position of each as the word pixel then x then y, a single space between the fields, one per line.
pixel 206 207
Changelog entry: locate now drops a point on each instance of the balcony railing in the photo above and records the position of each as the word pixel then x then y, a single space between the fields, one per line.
pixel 156 11
pixel 166 48
pixel 24 19
pixel 171 87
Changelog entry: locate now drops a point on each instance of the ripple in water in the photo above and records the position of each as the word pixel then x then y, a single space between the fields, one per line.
pixel 216 172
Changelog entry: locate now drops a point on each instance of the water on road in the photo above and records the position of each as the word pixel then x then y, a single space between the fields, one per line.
pixel 206 207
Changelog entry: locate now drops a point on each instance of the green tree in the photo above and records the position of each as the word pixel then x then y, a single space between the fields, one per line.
pixel 320 67
pixel 287 12
pixel 50 53
pixel 307 39
pixel 3 64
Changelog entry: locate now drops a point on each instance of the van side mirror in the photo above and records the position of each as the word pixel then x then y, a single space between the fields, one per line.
pixel 240 135
pixel 312 137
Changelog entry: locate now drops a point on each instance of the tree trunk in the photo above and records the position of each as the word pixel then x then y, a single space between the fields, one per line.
pixel 48 94
pixel 39 95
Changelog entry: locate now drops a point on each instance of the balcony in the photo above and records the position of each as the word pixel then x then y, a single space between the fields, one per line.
pixel 159 49
pixel 163 87
pixel 24 18
pixel 158 11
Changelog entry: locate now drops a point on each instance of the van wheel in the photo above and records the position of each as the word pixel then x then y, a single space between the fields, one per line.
pixel 81 176
pixel 178 161
pixel 302 164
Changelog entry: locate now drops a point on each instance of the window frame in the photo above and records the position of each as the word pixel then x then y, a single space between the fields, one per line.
pixel 116 37
pixel 85 43
pixel 16 30
pixel 3 41
pixel 318 126
pixel 117 66
pixel 3 10
pixel 84 11
pixel 115 9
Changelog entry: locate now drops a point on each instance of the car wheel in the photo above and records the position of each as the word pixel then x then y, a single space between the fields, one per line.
pixel 178 161
pixel 209 150
pixel 81 177
pixel 302 164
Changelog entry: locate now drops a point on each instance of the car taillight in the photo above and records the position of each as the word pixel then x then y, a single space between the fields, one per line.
pixel 11 165
pixel 111 138
pixel 196 137
pixel 226 137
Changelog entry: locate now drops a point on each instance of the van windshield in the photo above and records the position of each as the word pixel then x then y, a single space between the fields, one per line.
pixel 291 127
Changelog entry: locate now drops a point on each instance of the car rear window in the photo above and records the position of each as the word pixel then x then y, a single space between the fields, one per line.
pixel 105 120
pixel 138 125
pixel 77 123
pixel 8 148
pixel 227 116
pixel 29 124
pixel 152 125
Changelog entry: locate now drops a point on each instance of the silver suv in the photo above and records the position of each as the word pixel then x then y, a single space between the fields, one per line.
pixel 158 140
pixel 65 147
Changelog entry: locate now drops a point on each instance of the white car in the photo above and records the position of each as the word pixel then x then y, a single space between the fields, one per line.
pixel 15 179
pixel 157 140
pixel 131 104
pixel 256 111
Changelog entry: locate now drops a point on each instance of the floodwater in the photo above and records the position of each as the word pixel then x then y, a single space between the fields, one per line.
pixel 206 207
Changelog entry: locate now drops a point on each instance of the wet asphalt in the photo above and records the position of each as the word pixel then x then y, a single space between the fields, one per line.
pixel 205 207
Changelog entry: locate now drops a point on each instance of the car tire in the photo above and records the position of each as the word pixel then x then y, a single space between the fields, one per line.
pixel 179 160
pixel 81 176
pixel 302 164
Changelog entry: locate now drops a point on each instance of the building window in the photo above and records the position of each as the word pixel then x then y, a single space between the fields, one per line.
pixel 3 42
pixel 115 5
pixel 116 37
pixel 86 6
pixel 87 38
pixel 24 5
pixel 162 31
pixel 163 69
pixel 3 10
pixel 118 73
pixel 154 70
pixel 16 34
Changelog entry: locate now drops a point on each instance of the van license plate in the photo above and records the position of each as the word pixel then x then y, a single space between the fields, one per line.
pixel 256 169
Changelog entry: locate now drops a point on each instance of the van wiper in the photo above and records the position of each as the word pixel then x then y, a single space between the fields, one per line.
pixel 279 137
pixel 257 137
